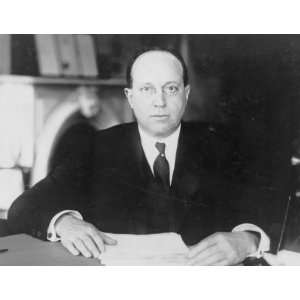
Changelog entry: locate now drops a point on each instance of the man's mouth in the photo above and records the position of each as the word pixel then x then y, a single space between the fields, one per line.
pixel 159 116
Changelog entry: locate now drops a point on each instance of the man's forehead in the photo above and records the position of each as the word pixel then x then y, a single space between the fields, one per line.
pixel 157 64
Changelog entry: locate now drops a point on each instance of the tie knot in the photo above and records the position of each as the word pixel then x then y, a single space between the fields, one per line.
pixel 160 147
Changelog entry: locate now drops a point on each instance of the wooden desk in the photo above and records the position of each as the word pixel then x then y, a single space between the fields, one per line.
pixel 24 250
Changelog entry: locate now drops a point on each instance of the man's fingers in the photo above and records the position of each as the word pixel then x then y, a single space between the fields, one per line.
pixel 98 240
pixel 210 260
pixel 108 240
pixel 203 245
pixel 82 248
pixel 222 262
pixel 69 245
pixel 91 246
pixel 204 254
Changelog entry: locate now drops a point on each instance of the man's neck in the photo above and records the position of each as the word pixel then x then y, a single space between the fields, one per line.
pixel 146 134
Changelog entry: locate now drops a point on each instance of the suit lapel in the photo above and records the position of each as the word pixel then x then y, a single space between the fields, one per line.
pixel 188 165
pixel 141 168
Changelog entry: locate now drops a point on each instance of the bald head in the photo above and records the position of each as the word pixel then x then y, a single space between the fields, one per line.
pixel 156 65
pixel 155 56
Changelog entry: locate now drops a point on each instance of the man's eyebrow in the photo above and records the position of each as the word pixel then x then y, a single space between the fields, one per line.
pixel 169 82
pixel 145 83
pixel 150 83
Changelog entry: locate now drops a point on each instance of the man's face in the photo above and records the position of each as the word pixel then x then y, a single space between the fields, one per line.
pixel 158 96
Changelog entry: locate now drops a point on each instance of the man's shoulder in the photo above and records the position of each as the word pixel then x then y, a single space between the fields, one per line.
pixel 195 125
pixel 116 130
pixel 205 129
pixel 116 136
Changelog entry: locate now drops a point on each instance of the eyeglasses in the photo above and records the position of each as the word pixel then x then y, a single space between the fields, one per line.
pixel 170 90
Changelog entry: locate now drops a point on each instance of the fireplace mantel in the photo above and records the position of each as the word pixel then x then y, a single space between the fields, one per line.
pixel 22 79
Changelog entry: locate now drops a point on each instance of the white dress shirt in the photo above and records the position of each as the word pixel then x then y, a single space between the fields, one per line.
pixel 151 152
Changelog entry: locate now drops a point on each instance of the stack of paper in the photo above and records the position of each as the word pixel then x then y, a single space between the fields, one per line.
pixel 145 250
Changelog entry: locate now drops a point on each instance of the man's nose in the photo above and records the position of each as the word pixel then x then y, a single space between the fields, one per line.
pixel 159 99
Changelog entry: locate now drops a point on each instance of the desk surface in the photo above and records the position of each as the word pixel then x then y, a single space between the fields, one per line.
pixel 24 250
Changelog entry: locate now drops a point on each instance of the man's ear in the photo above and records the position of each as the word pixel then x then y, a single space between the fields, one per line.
pixel 128 94
pixel 187 90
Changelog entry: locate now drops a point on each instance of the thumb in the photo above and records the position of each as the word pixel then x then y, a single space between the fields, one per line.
pixel 108 240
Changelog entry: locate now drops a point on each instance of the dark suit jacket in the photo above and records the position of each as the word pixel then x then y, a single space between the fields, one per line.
pixel 107 178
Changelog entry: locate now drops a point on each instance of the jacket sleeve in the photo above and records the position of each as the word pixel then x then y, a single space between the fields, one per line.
pixel 64 188
pixel 257 197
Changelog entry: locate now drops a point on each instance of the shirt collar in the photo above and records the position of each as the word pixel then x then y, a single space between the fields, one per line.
pixel 170 141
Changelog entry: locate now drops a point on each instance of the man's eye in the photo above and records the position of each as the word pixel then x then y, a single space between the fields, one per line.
pixel 146 89
pixel 172 89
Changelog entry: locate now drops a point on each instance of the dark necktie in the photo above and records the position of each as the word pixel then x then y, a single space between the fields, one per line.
pixel 161 166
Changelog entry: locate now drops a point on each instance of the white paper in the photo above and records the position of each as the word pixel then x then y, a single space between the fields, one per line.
pixel 144 250
pixel 283 258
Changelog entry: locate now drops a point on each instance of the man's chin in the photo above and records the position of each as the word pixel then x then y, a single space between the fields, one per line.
pixel 161 131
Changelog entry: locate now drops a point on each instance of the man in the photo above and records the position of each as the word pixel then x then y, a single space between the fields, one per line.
pixel 156 175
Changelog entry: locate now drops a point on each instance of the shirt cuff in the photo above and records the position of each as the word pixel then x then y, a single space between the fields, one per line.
pixel 51 232
pixel 264 243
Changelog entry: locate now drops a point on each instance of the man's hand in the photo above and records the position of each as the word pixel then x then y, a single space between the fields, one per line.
pixel 80 237
pixel 223 248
